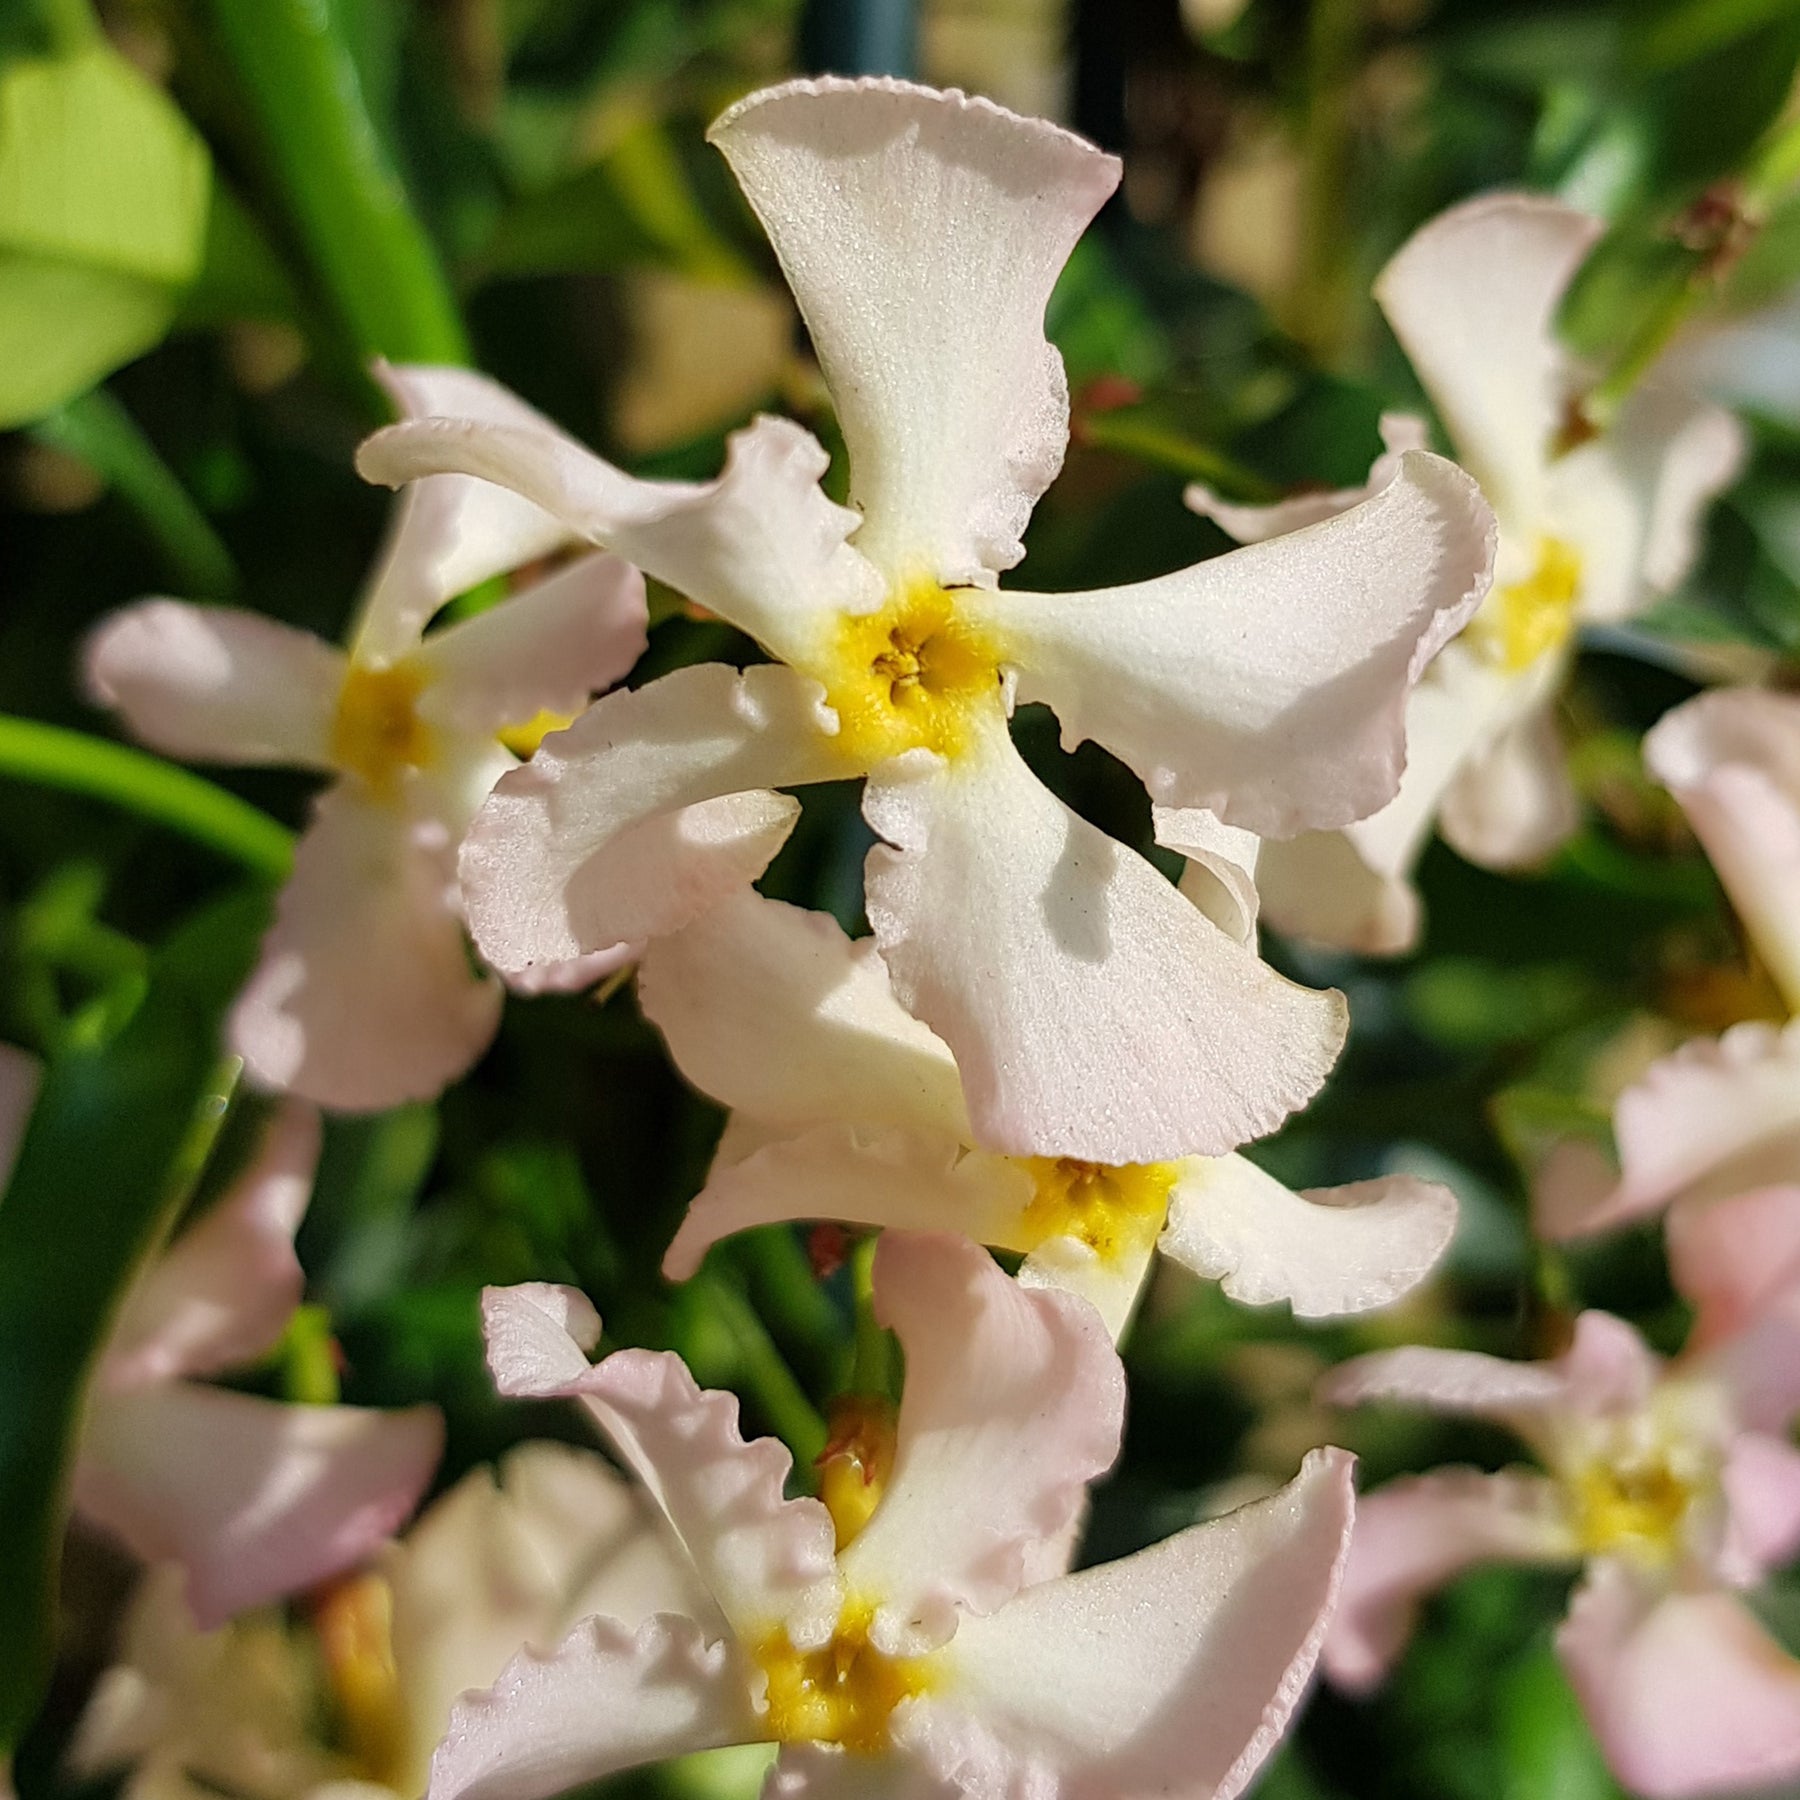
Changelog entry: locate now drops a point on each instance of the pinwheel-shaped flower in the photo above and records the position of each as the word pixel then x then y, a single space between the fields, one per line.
pixel 1092 1013
pixel 365 995
pixel 929 1640
pixel 1592 527
pixel 254 1498
pixel 1720 1114
pixel 489 1567
pixel 846 1107
pixel 1675 1485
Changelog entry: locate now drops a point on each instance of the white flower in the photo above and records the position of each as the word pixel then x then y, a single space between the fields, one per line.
pixel 1092 1013
pixel 365 995
pixel 925 1645
pixel 1588 534
pixel 846 1107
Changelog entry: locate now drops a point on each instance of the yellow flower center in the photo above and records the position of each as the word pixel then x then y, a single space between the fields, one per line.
pixel 1636 1508
pixel 1528 619
pixel 910 676
pixel 523 739
pixel 354 1621
pixel 377 733
pixel 842 1694
pixel 1112 1209
pixel 856 1461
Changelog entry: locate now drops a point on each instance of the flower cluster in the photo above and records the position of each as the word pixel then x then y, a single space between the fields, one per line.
pixel 1045 1047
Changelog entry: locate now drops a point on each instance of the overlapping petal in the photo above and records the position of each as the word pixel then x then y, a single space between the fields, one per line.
pixel 365 996
pixel 921 233
pixel 607 1699
pixel 774 1012
pixel 1028 941
pixel 213 684
pixel 1268 685
pixel 1761 1481
pixel 766 1560
pixel 1327 1251
pixel 1220 877
pixel 291 1494
pixel 1413 1536
pixel 1512 803
pixel 1014 1402
pixel 1173 1671
pixel 1732 758
pixel 653 806
pixel 223 1292
pixel 1687 1694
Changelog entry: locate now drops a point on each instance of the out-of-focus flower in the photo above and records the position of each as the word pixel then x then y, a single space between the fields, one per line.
pixel 254 1498
pixel 366 995
pixel 906 1645
pixel 1674 1485
pixel 1091 1012
pixel 1718 1115
pixel 1745 360
pixel 846 1107
pixel 379 1658
pixel 1592 527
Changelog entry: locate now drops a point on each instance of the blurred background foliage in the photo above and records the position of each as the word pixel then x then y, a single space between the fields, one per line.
pixel 213 213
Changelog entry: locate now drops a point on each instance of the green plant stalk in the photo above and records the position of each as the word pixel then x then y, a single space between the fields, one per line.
pixel 368 250
pixel 98 431
pixel 1333 40
pixel 53 756
pixel 766 1377
pixel 1133 435
pixel 800 1314
pixel 874 1369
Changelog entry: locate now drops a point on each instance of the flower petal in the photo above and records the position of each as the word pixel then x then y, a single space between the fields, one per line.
pixel 1174 1671
pixel 223 1292
pixel 365 996
pixel 1686 1692
pixel 826 1772
pixel 767 1560
pixel 1092 1010
pixel 1472 297
pixel 1732 758
pixel 921 233
pixel 548 649
pixel 1513 803
pixel 1014 1402
pixel 1321 886
pixel 1268 685
pixel 650 808
pixel 1413 1536
pixel 774 1012
pixel 1761 1478
pixel 212 684
pixel 1220 877
pixel 1325 1251
pixel 291 1494
pixel 893 1180
pixel 607 1699
pixel 1112 1284
pixel 1734 1259
pixel 760 545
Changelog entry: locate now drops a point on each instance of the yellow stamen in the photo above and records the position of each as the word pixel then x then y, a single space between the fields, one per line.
pixel 378 732
pixel 911 676
pixel 1637 1509
pixel 523 739
pixel 842 1694
pixel 354 1621
pixel 1528 619
pixel 1111 1209
pixel 856 1461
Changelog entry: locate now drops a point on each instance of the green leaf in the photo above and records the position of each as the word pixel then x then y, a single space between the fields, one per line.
pixel 106 1162
pixel 104 190
pixel 1546 1747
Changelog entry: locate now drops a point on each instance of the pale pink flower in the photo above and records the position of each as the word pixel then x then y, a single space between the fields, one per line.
pixel 1674 1486
pixel 366 995
pixel 254 1498
pixel 1091 1013
pixel 914 1653
pixel 1717 1115
pixel 1588 535
pixel 846 1107
pixel 490 1567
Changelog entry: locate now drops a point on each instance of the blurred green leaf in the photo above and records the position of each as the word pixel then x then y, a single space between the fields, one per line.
pixel 1547 1749
pixel 104 189
pixel 113 1145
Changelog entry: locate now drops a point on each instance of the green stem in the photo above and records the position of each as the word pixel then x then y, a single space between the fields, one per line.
pixel 766 1378
pixel 873 1371
pixel 1334 35
pixel 146 785
pixel 372 257
pixel 785 1291
pixel 99 431
pixel 69 24
pixel 1133 435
